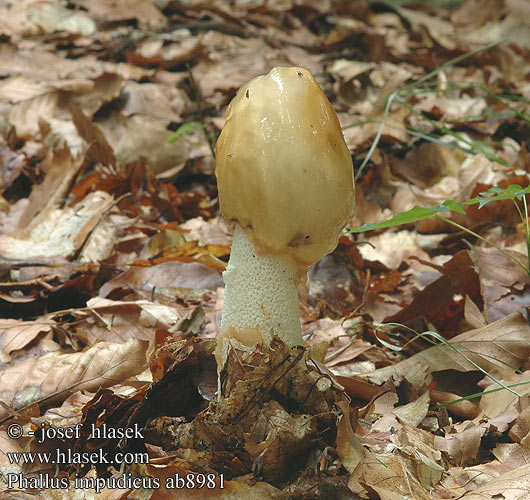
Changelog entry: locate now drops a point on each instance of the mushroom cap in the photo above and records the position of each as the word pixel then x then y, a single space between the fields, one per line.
pixel 283 169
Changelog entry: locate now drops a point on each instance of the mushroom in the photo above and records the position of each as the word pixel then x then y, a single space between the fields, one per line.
pixel 285 178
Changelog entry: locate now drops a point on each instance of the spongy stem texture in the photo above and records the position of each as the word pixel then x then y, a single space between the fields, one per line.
pixel 261 292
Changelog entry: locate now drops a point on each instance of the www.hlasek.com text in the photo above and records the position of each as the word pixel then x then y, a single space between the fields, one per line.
pixel 76 458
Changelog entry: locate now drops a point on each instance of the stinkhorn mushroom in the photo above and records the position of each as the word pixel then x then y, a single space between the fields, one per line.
pixel 285 178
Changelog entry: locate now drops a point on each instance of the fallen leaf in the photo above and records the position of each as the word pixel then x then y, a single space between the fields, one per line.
pixel 414 412
pixel 349 446
pixel 512 485
pixel 50 380
pixel 461 443
pixel 505 342
pixel 63 232
pixel 16 335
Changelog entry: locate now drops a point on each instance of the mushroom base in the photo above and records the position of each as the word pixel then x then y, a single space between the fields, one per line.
pixel 260 293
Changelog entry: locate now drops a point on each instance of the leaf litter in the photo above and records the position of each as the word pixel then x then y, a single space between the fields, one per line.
pixel 112 248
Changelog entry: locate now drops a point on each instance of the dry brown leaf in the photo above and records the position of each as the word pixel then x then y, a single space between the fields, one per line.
pixel 91 133
pixel 391 248
pixel 52 17
pixel 505 342
pixel 148 137
pixel 120 10
pixel 512 27
pixel 462 409
pixel 212 231
pixel 473 316
pixel 168 278
pixel 61 233
pixel 60 169
pixel 391 475
pixel 21 88
pixel 103 89
pixel 414 412
pixel 189 252
pixel 11 164
pixel 501 280
pixel 512 455
pixel 167 56
pixel 496 403
pixel 50 380
pixel 438 163
pixel 155 100
pixel 459 481
pixel 15 334
pixel 33 17
pixel 441 30
pixel 521 428
pixel 512 485
pixel 62 134
pixel 8 445
pixel 426 458
pixel 349 446
pixel 462 443
pixel 119 321
pixel 441 302
pixel 25 115
pixel 101 242
pixel 69 413
pixel 245 63
pixel 160 241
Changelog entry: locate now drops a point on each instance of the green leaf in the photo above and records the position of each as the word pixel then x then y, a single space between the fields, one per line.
pixel 496 193
pixel 413 215
pixel 419 213
pixel 186 129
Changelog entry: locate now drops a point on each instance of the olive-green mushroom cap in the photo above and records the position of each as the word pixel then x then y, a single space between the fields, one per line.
pixel 283 169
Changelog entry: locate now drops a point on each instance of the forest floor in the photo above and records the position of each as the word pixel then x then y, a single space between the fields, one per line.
pixel 416 383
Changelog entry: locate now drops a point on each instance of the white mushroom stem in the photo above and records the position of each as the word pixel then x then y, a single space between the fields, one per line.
pixel 261 292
